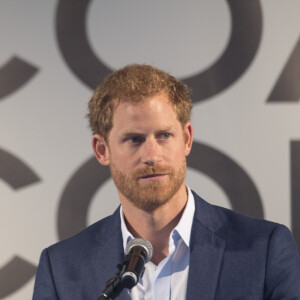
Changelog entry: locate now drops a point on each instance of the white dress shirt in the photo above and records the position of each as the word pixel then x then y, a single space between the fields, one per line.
pixel 167 280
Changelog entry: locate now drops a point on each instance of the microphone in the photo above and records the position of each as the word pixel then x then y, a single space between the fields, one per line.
pixel 138 253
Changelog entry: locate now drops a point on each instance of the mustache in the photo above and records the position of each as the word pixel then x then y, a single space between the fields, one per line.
pixel 153 170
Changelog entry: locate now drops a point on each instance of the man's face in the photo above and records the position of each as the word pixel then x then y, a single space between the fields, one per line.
pixel 147 151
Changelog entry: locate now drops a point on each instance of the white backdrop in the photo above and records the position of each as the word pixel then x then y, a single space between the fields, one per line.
pixel 43 125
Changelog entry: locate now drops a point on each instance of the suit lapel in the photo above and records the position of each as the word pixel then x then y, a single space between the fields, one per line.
pixel 109 250
pixel 110 243
pixel 206 253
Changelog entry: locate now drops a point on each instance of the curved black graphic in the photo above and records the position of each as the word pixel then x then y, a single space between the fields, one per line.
pixel 287 87
pixel 17 271
pixel 14 74
pixel 231 177
pixel 77 195
pixel 74 45
pixel 246 18
pixel 244 40
pixel 76 198
pixel 295 189
pixel 15 172
pixel 14 275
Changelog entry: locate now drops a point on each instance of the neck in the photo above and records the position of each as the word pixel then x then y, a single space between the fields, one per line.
pixel 155 226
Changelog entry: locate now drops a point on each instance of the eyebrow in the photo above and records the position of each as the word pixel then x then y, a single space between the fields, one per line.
pixel 169 128
pixel 133 132
pixel 129 134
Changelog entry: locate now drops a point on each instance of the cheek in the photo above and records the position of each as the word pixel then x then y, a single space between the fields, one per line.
pixel 175 157
pixel 125 163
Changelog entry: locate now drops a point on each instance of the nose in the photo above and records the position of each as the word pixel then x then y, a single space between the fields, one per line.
pixel 151 152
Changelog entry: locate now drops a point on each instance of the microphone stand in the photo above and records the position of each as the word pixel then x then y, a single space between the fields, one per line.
pixel 138 252
pixel 113 286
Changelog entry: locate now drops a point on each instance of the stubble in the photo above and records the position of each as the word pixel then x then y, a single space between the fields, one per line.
pixel 150 195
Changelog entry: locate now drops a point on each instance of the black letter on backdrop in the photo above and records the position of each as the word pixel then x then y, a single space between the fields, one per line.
pixel 287 87
pixel 231 177
pixel 74 45
pixel 17 271
pixel 77 195
pixel 295 190
pixel 14 74
pixel 245 36
pixel 246 18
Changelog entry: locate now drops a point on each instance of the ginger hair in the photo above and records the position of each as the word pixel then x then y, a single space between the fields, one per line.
pixel 135 83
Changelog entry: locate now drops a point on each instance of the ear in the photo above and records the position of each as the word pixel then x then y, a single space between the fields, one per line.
pixel 101 149
pixel 188 138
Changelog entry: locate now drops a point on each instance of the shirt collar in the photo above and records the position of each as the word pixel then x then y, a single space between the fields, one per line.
pixel 127 236
pixel 183 228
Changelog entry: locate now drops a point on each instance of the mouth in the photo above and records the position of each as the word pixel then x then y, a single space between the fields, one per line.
pixel 153 176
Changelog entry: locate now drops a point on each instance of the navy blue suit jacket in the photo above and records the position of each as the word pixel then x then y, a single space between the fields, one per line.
pixel 231 257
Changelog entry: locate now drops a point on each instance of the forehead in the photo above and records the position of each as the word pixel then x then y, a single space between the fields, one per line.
pixel 151 111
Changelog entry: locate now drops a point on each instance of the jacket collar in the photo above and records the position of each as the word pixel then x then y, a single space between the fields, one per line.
pixel 207 250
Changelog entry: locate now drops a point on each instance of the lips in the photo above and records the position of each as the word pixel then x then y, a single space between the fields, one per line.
pixel 154 173
pixel 152 176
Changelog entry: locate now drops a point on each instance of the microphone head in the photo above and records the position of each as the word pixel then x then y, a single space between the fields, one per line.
pixel 142 243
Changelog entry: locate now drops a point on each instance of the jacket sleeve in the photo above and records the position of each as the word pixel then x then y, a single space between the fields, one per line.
pixel 44 288
pixel 283 266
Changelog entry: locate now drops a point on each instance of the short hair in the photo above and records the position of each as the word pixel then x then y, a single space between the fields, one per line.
pixel 135 83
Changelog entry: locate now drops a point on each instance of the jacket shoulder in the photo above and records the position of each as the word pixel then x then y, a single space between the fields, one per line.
pixel 97 234
pixel 229 223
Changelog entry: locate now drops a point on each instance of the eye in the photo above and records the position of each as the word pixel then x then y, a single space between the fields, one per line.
pixel 136 139
pixel 165 135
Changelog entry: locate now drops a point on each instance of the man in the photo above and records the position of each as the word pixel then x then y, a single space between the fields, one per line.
pixel 140 117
